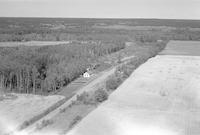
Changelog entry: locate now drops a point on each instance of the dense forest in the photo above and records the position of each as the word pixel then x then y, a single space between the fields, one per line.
pixel 48 68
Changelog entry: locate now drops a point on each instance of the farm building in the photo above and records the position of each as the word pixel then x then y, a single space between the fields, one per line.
pixel 86 75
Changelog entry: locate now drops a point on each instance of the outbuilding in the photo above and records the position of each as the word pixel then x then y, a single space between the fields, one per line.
pixel 86 75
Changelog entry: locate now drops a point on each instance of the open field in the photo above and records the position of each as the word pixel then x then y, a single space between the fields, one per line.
pixel 18 108
pixel 48 56
pixel 127 27
pixel 42 58
pixel 160 98
pixel 32 43
pixel 61 121
pixel 64 116
pixel 191 48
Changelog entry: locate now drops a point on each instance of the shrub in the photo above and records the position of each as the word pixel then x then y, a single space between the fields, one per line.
pixel 25 124
pixel 43 124
pixel 83 97
pixel 100 95
pixel 86 98
pixel 63 110
pixel 113 82
pixel 125 70
pixel 75 121
pixel 119 57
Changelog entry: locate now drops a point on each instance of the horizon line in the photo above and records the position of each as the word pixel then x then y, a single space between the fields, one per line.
pixel 98 18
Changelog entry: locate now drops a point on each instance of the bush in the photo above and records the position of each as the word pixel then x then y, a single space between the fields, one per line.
pixel 43 124
pixel 75 121
pixel 63 110
pixel 100 95
pixel 126 70
pixel 119 59
pixel 25 124
pixel 113 82
pixel 83 97
pixel 86 98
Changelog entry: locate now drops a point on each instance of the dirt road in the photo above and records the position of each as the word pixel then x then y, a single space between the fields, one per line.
pixel 92 86
pixel 161 97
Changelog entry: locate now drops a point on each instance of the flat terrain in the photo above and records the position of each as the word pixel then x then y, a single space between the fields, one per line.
pixel 127 27
pixel 161 97
pixel 18 108
pixel 32 43
pixel 175 47
pixel 62 119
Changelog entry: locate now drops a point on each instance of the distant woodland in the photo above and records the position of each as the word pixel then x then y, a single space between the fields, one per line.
pixel 48 68
pixel 57 29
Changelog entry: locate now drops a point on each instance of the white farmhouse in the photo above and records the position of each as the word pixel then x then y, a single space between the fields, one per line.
pixel 86 75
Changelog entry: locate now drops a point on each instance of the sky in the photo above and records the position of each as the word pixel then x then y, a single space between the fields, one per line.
pixel 163 9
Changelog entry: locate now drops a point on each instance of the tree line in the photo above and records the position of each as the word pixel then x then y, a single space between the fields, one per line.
pixel 45 69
